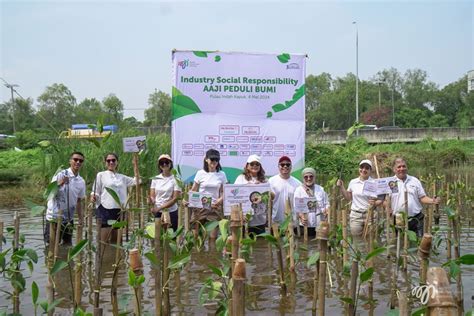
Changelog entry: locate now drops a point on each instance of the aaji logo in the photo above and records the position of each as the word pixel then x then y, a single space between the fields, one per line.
pixel 234 192
pixel 184 63
pixel 293 66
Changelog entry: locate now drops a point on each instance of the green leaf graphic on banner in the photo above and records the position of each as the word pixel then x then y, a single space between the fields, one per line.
pixel 200 54
pixel 284 58
pixel 217 58
pixel 299 93
pixel 182 105
pixel 269 114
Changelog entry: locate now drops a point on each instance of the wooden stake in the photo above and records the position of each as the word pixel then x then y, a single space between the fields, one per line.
pixel 276 234
pixel 448 240
pixel 166 271
pixel 290 232
pixel 98 254
pixel 238 289
pixel 158 287
pixel 269 214
pixel 59 221
pixel 405 234
pixel 457 254
pixel 345 253
pixel 353 286
pixel 236 229
pixel 424 254
pixel 1 236
pixel 323 234
pixel 442 303
pixel 305 232
pixel 403 304
pixel 16 246
pixel 388 221
pixel 78 265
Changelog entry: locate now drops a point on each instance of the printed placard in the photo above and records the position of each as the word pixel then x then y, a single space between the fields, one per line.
pixel 134 144
pixel 253 197
pixel 370 188
pixel 199 200
pixel 387 185
pixel 306 205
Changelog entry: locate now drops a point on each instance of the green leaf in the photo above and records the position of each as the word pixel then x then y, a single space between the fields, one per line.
pixel 121 224
pixel 210 226
pixel 153 259
pixel 94 141
pixel 34 292
pixel 37 210
pixel 114 195
pixel 150 229
pixel 54 304
pixel 73 252
pixel 140 279
pixel 217 58
pixel 450 212
pixel 216 270
pixel 353 128
pixel 223 228
pixel 51 190
pixel 375 252
pixel 202 54
pixel 420 311
pixel 32 255
pixel 286 222
pixel 183 105
pixel 179 261
pixel 100 125
pixel 284 58
pixel 58 266
pixel 454 269
pixel 44 143
pixel 279 107
pixel 313 259
pixel 392 312
pixel 467 259
pixel 347 300
pixel 366 275
pixel 412 236
pixel 269 114
pixel 268 237
pixel 132 278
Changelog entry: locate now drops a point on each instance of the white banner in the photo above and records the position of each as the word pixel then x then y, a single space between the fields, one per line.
pixel 240 104
pixel 253 197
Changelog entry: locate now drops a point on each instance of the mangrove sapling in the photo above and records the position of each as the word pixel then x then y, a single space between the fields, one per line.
pixel 135 282
pixel 217 289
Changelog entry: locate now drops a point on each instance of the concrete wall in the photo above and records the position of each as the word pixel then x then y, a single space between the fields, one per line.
pixel 399 135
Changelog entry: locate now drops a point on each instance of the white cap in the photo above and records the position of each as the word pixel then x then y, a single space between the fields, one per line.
pixel 367 162
pixel 253 158
pixel 165 156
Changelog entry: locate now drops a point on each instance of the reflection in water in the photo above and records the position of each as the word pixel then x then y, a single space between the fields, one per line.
pixel 263 295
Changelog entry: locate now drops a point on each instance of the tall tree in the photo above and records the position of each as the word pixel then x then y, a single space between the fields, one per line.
pixel 114 107
pixel 315 88
pixel 451 101
pixel 89 111
pixel 56 106
pixel 159 112
pixel 417 90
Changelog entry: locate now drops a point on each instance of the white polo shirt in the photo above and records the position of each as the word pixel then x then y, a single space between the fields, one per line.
pixel 210 182
pixel 283 189
pixel 322 203
pixel 258 218
pixel 115 181
pixel 164 190
pixel 360 202
pixel 415 193
pixel 76 189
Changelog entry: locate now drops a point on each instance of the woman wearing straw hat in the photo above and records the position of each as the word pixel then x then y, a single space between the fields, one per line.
pixel 360 202
pixel 209 180
pixel 310 189
pixel 164 191
pixel 253 173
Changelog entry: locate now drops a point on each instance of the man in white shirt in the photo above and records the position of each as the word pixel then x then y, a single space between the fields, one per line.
pixel 283 186
pixel 416 196
pixel 72 189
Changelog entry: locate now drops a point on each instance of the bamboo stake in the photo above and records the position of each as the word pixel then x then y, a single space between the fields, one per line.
pixel 290 233
pixel 276 234
pixel 424 255
pixel 371 248
pixel 388 221
pixel 353 286
pixel 98 254
pixel 403 304
pixel 457 254
pixel 49 285
pixel 345 253
pixel 236 229
pixel 315 288
pixel 113 290
pixel 305 232
pixel 166 272
pixel 158 298
pixel 78 265
pixel 238 288
pixel 269 215
pixel 16 246
pixel 59 221
pixel 442 303
pixel 323 234
pixel 448 240
pixel 1 236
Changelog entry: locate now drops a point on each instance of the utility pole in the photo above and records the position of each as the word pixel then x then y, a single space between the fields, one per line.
pixel 12 89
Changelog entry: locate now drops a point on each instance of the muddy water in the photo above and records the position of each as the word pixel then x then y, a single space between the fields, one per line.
pixel 263 292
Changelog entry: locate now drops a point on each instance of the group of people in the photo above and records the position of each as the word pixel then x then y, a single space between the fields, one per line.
pixel 165 192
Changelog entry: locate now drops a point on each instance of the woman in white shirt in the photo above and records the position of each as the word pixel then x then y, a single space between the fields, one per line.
pixel 107 207
pixel 209 180
pixel 164 191
pixel 360 202
pixel 253 173
pixel 309 189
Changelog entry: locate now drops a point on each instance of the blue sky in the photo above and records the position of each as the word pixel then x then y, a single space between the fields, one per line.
pixel 123 47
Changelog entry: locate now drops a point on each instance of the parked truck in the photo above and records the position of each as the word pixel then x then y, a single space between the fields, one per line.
pixel 89 131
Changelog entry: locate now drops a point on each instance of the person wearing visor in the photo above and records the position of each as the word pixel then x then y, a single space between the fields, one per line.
pixel 253 173
pixel 71 191
pixel 283 186
pixel 164 191
pixel 310 189
pixel 209 180
pixel 107 208
pixel 360 203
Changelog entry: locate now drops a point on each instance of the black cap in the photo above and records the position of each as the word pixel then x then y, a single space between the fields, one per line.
pixel 212 154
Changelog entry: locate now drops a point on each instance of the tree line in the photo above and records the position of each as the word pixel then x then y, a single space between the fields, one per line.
pixel 388 98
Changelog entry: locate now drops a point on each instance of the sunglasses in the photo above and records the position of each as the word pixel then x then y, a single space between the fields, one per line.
pixel 78 160
pixel 308 177
pixel 254 164
pixel 214 159
pixel 364 167
pixel 164 162
pixel 288 165
pixel 111 160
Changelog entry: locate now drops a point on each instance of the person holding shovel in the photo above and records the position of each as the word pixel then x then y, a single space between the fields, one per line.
pixel 253 173
pixel 310 189
pixel 360 203
pixel 71 191
pixel 164 191
pixel 108 210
